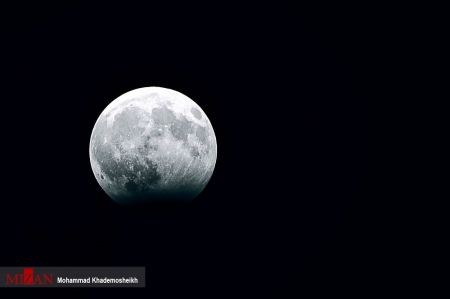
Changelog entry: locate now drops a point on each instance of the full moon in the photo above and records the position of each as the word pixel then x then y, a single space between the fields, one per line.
pixel 153 144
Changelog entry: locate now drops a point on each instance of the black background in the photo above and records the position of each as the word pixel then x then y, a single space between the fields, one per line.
pixel 287 212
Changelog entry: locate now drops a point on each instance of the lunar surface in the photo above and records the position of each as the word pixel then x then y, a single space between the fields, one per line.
pixel 153 144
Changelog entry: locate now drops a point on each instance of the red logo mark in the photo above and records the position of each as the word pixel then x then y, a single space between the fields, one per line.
pixel 28 277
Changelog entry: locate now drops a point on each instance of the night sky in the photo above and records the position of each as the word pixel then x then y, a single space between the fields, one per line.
pixel 286 213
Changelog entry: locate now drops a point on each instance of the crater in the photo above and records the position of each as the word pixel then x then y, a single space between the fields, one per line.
pixel 145 172
pixel 195 152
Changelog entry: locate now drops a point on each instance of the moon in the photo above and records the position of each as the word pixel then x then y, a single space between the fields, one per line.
pixel 153 144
